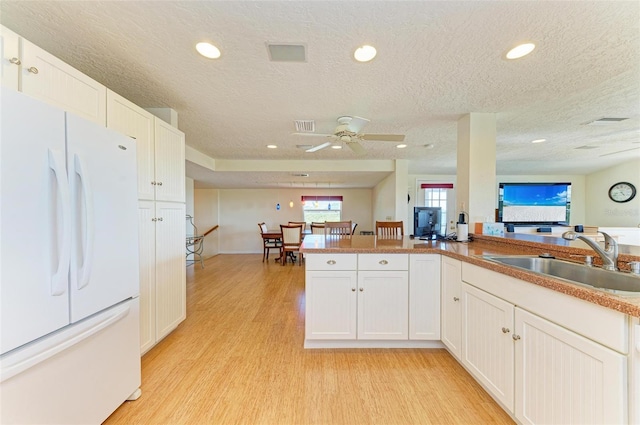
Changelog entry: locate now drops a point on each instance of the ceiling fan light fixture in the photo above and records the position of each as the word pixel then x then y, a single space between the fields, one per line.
pixel 345 139
pixel 520 51
pixel 365 53
pixel 208 50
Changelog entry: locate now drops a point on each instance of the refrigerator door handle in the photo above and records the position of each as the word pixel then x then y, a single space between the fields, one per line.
pixel 59 278
pixel 87 252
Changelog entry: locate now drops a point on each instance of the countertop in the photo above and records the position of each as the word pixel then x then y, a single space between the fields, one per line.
pixel 471 252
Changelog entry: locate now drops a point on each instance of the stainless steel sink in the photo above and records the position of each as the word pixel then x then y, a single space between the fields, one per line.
pixel 610 281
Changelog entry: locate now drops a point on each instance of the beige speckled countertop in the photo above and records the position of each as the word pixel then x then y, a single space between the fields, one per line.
pixel 488 245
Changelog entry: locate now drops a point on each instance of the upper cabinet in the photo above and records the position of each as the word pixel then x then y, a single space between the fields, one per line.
pixel 10 58
pixel 48 78
pixel 169 157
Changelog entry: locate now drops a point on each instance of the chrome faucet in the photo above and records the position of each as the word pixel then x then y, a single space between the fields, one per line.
pixel 609 254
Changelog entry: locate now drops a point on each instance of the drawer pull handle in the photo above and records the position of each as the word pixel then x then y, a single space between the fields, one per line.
pixel 505 330
pixel 383 262
pixel 15 61
pixel 456 299
pixel 33 70
pixel 515 337
pixel 331 262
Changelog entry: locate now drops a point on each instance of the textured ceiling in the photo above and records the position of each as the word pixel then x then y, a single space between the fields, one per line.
pixel 436 62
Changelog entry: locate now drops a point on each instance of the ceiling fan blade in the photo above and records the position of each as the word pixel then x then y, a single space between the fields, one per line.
pixel 357 124
pixel 356 147
pixel 312 134
pixel 317 148
pixel 383 137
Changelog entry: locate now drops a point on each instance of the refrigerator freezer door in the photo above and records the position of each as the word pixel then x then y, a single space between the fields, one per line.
pixel 104 254
pixel 34 211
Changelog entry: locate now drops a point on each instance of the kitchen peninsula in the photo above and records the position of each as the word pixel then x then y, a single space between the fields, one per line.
pixel 544 348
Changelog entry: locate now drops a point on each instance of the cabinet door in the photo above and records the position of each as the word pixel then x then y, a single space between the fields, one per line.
pixel 48 78
pixel 133 121
pixel 147 254
pixel 564 378
pixel 170 267
pixel 383 304
pixel 451 305
pixel 169 162
pixel 330 304
pixel 487 348
pixel 9 43
pixel 424 296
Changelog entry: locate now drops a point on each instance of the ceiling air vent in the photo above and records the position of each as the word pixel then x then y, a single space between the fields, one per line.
pixel 287 52
pixel 305 126
pixel 606 121
pixel 300 174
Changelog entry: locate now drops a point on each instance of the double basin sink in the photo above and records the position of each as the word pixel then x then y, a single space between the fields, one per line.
pixel 619 283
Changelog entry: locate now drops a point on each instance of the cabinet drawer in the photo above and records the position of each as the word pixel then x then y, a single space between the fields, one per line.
pixel 383 262
pixel 331 261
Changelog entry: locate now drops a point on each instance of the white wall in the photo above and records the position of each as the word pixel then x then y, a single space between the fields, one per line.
pixel 384 200
pixel 206 210
pixel 240 211
pixel 601 210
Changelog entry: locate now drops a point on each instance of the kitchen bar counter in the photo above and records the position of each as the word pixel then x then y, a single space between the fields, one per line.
pixel 488 245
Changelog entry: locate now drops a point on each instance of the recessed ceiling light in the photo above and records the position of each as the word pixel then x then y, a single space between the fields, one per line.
pixel 539 141
pixel 401 146
pixel 272 146
pixel 208 50
pixel 336 147
pixel 365 53
pixel 520 51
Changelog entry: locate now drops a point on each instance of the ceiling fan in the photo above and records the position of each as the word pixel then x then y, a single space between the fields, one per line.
pixel 349 132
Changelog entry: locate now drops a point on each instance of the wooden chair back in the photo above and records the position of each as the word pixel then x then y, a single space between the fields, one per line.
pixel 337 228
pixel 263 227
pixel 298 223
pixel 317 228
pixel 389 228
pixel 291 241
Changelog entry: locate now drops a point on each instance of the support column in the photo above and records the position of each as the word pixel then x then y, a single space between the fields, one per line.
pixel 476 190
pixel 402 184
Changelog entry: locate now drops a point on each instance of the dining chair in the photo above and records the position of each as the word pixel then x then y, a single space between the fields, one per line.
pixel 317 228
pixel 291 241
pixel 389 228
pixel 267 242
pixel 298 223
pixel 353 228
pixel 337 228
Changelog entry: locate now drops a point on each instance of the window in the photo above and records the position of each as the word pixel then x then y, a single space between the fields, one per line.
pixel 322 208
pixel 435 195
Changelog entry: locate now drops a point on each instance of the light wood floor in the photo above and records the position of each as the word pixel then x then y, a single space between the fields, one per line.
pixel 239 359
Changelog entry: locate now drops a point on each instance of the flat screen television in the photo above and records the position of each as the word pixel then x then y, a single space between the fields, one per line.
pixel 426 222
pixel 534 203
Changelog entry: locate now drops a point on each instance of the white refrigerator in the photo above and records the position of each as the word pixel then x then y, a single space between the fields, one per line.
pixel 69 282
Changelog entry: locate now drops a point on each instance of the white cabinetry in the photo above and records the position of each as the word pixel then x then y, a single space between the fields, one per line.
pixel 563 378
pixel 383 296
pixel 162 270
pixel 451 305
pixel 48 78
pixel 424 296
pixel 331 296
pixel 10 45
pixel 487 348
pixel 161 224
pixel 547 357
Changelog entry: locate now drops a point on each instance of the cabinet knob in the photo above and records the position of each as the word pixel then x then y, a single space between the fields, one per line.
pixel 456 299
pixel 505 330
pixel 383 262
pixel 160 219
pixel 153 183
pixel 15 61
pixel 132 137
pixel 353 289
pixel 32 70
pixel 361 289
pixel 159 183
pixel 515 337
pixel 331 263
pixel 154 219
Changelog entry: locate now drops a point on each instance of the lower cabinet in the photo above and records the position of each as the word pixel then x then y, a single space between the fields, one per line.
pixel 451 305
pixel 424 297
pixel 487 346
pixel 563 378
pixel 383 298
pixel 331 304
pixel 162 270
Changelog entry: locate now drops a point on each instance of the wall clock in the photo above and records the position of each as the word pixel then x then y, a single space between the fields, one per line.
pixel 622 192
